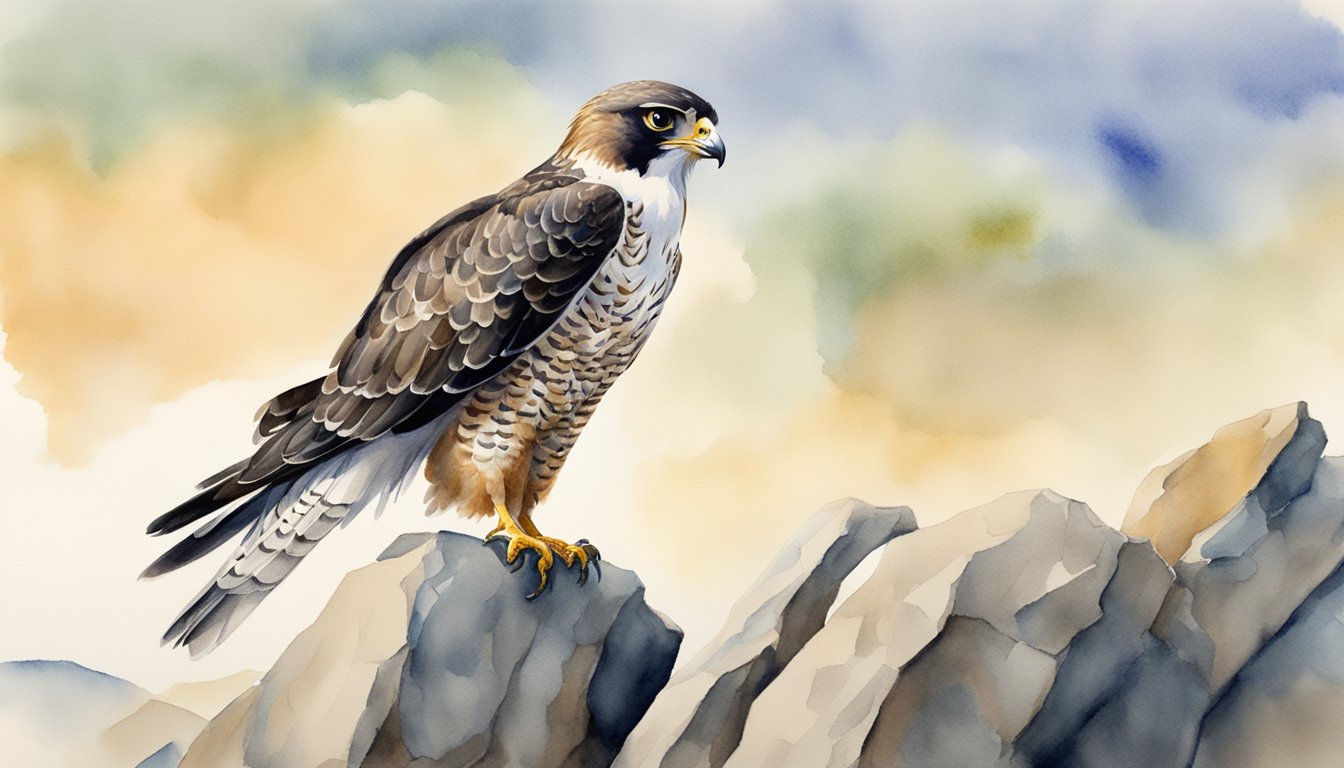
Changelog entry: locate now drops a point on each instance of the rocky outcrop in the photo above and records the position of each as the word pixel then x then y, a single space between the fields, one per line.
pixel 1028 633
pixel 434 656
pixel 958 630
pixel 1023 633
pixel 698 718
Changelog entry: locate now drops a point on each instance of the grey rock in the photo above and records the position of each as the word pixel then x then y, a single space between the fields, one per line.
pixel 1247 574
pixel 1027 633
pixel 1016 607
pixel 168 756
pixel 1249 470
pixel 960 701
pixel 697 720
pixel 434 656
pixel 974 609
pixel 1099 657
pixel 1024 633
pixel 1242 563
pixel 1154 724
pixel 1282 707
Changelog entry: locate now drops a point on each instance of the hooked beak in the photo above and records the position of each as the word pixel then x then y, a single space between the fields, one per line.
pixel 703 141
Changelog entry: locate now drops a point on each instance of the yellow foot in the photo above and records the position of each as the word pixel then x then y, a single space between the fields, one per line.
pixel 518 541
pixel 580 552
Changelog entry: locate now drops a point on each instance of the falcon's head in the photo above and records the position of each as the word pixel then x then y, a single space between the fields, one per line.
pixel 644 123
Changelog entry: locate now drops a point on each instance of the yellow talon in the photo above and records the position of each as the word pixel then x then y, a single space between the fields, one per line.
pixel 520 540
pixel 522 534
pixel 567 552
pixel 582 553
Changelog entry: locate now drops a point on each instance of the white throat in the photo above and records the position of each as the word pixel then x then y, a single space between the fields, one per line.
pixel 661 190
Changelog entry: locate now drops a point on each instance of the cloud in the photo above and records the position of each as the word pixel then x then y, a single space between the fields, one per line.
pixel 935 322
pixel 180 264
pixel 231 145
pixel 1201 86
pixel 976 289
pixel 107 75
pixel 1197 84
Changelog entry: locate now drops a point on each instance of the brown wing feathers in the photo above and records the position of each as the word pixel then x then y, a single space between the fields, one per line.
pixel 457 306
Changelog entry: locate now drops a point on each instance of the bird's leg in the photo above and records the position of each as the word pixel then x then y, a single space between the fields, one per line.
pixel 581 552
pixel 520 539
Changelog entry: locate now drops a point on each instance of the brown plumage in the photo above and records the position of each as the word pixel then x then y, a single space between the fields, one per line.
pixel 486 349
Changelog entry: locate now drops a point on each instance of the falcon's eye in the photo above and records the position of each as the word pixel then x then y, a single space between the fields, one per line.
pixel 658 119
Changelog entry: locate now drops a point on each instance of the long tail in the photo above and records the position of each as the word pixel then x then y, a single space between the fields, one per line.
pixel 276 543
pixel 224 491
pixel 286 520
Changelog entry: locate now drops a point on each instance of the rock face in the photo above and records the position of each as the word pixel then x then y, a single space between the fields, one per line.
pixel 433 656
pixel 1024 633
pixel 1028 633
pixel 698 718
pixel 944 653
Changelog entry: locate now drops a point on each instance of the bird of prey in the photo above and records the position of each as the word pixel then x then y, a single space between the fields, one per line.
pixel 486 348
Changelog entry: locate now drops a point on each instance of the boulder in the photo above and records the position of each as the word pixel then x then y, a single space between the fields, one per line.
pixel 944 654
pixel 698 718
pixel 433 655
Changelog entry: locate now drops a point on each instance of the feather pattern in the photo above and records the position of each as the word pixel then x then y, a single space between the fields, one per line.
pixel 459 304
pixel 290 520
pixel 489 343
pixel 391 371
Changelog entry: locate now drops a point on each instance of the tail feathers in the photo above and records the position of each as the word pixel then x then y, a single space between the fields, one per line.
pixel 273 548
pixel 215 532
pixel 219 478
pixel 288 518
pixel 214 498
pixel 226 487
pixel 229 484
pixel 211 617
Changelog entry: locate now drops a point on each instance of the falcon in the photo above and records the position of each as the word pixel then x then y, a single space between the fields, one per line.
pixel 486 349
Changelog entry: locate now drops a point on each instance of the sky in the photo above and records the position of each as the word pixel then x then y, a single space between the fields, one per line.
pixel 958 249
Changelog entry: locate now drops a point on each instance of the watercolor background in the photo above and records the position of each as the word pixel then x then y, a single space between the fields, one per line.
pixel 957 249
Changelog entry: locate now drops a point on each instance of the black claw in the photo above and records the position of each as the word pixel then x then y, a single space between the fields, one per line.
pixel 593 557
pixel 517 565
pixel 540 588
pixel 588 547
